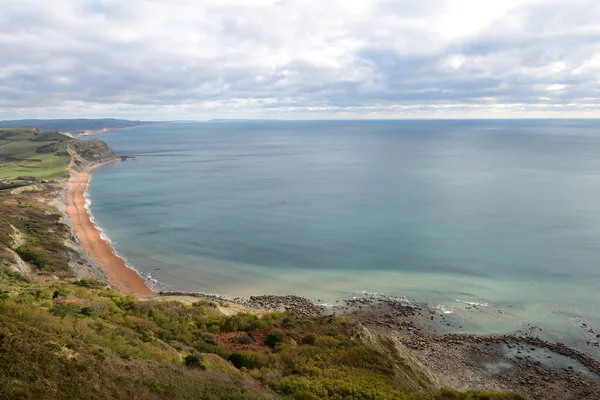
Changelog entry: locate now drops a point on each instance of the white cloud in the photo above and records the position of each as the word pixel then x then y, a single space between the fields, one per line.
pixel 555 87
pixel 297 58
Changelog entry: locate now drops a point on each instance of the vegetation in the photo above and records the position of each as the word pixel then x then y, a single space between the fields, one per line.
pixel 82 340
pixel 30 153
pixel 34 230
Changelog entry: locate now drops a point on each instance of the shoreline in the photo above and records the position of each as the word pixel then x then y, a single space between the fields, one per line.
pixel 520 362
pixel 92 132
pixel 117 272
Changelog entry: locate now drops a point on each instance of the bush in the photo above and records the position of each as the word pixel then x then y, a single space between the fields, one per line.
pixel 208 336
pixel 3 295
pixel 305 396
pixel 65 309
pixel 60 292
pixel 240 361
pixel 31 256
pixel 243 339
pixel 310 338
pixel 87 311
pixel 90 284
pixel 193 361
pixel 274 337
pixel 327 342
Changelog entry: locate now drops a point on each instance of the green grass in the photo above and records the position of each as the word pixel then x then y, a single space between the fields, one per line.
pixel 82 340
pixel 19 155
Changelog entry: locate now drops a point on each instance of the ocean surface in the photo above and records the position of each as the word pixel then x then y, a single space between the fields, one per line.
pixel 504 215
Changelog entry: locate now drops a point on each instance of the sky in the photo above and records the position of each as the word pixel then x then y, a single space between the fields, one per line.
pixel 299 59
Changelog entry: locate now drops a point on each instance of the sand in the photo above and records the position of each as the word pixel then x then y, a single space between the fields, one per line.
pixel 118 274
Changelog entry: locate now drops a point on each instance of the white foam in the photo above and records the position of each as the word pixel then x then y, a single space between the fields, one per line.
pixel 473 303
pixel 443 309
pixel 326 305
pixel 380 296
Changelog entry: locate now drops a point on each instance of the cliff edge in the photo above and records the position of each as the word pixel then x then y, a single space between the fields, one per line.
pixel 86 153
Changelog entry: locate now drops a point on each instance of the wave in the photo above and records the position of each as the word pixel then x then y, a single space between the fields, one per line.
pixel 444 309
pixel 473 303
pixel 326 305
pixel 365 294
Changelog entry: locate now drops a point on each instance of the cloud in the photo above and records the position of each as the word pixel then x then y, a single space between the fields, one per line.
pixel 185 59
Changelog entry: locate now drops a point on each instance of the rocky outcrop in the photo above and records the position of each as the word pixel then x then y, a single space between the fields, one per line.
pixel 298 305
pixel 86 153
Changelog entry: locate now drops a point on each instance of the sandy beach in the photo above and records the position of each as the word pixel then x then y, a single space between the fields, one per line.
pixel 118 274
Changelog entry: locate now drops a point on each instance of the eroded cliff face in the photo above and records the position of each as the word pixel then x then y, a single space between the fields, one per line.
pixel 36 237
pixel 86 153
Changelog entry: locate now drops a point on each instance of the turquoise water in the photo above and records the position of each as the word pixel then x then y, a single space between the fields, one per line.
pixel 501 213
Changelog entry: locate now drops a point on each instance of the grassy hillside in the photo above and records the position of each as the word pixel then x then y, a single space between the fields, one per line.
pixel 29 152
pixel 82 340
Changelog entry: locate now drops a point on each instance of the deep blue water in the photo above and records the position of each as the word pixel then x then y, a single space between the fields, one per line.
pixel 504 213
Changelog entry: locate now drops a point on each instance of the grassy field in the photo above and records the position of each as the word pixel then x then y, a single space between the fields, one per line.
pixel 28 152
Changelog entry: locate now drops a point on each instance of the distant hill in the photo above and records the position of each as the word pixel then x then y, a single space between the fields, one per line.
pixel 74 125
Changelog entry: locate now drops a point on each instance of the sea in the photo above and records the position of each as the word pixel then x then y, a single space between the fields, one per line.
pixel 495 223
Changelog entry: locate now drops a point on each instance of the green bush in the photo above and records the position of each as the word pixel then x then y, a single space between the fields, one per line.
pixel 65 309
pixel 193 361
pixel 303 395
pixel 309 338
pixel 240 361
pixel 274 338
pixel 87 311
pixel 90 284
pixel 3 295
pixel 32 256
pixel 60 292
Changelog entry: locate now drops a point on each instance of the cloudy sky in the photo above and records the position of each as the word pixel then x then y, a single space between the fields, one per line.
pixel 194 59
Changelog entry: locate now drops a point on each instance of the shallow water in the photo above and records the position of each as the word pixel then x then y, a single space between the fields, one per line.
pixel 505 214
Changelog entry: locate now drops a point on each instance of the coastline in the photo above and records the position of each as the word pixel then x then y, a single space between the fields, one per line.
pixel 518 362
pixel 117 273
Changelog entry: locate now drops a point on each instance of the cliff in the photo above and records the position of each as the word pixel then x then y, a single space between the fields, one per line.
pixel 86 153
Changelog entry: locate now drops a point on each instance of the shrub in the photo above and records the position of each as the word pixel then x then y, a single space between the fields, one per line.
pixel 208 336
pixel 90 284
pixel 193 361
pixel 274 337
pixel 60 292
pixel 327 341
pixel 240 361
pixel 31 256
pixel 243 339
pixel 3 295
pixel 65 309
pixel 310 338
pixel 304 396
pixel 87 311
